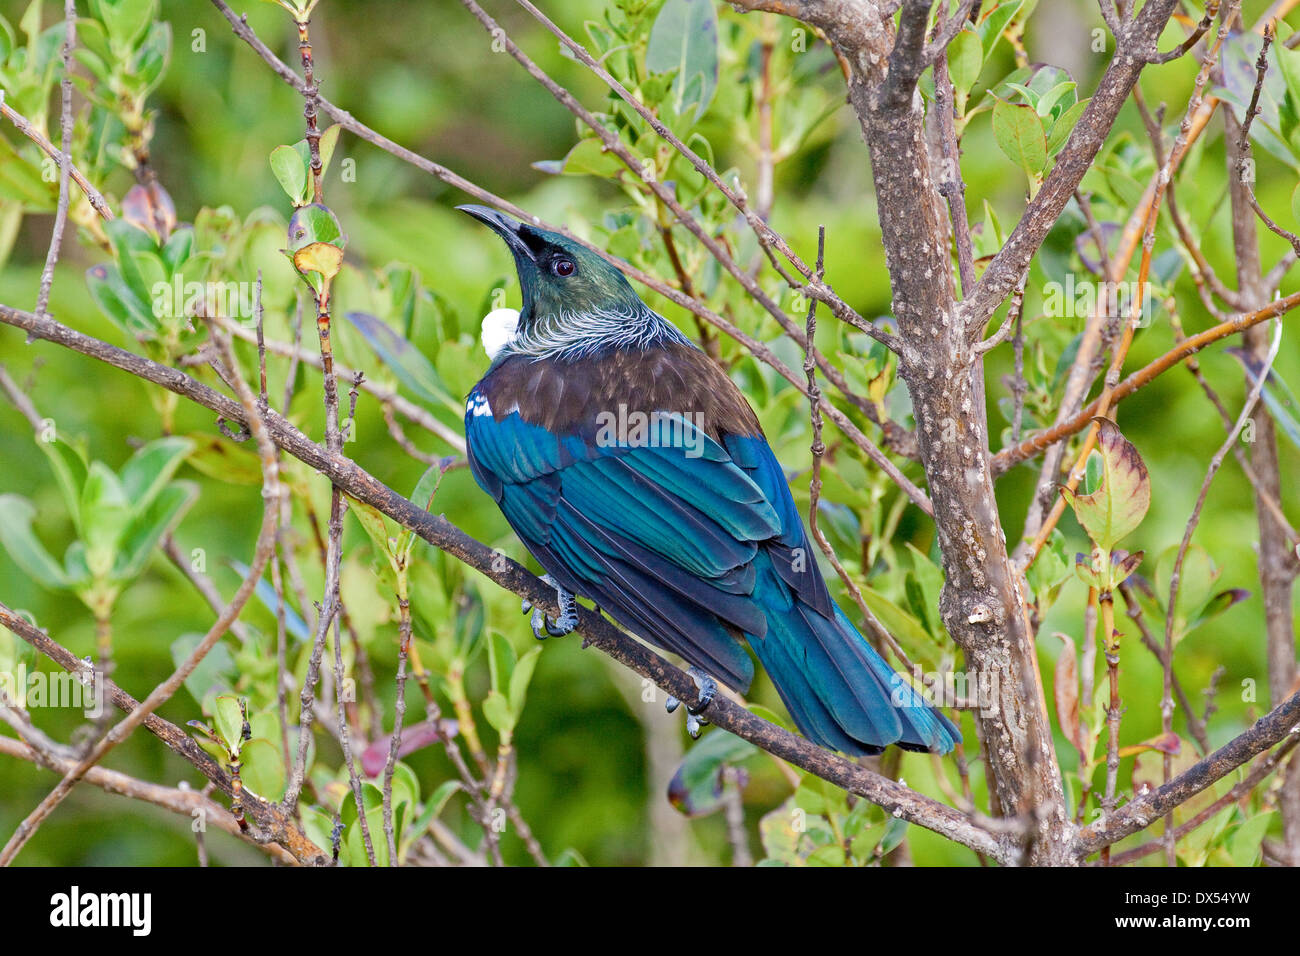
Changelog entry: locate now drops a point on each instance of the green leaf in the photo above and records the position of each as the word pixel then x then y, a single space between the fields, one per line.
pixel 771 716
pixel 151 59
pixel 588 157
pixel 1049 571
pixel 1121 502
pixel 69 467
pixel 1019 133
pixel 965 61
pixel 15 652
pixel 133 247
pixel 895 831
pixel 319 827
pixel 684 38
pixel 501 660
pixel 224 460
pixel 1278 398
pixel 432 808
pixel 697 788
pixel 406 785
pixel 146 529
pixel 119 304
pixel 427 486
pixel 994 22
pixel 1217 605
pixel 149 469
pixel 1198 578
pixel 8 39
pixel 263 768
pixel 408 364
pixel 292 165
pixel 375 823
pixel 911 634
pixel 314 223
pixel 827 856
pixel 780 838
pixel 105 515
pixel 229 719
pixel 125 20
pixel 316 242
pixel 496 708
pixel 21 543
pixel 929 580
pixel 290 172
pixel 1064 125
pixel 178 250
pixel 20 179
pixel 11 217
pixel 1247 840
pixel 1092 472
pixel 328 140
pixel 1056 94
pixel 521 678
pixel 1031 96
pixel 374 525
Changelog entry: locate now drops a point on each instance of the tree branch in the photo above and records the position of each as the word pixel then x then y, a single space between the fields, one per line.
pixel 595 629
pixel 1141 812
pixel 277 826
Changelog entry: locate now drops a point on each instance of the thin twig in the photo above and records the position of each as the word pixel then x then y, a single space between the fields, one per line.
pixel 97 202
pixel 65 157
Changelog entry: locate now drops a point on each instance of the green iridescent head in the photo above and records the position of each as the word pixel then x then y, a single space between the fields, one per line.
pixel 561 279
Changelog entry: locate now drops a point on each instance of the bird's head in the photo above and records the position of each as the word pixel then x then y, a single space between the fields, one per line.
pixel 561 279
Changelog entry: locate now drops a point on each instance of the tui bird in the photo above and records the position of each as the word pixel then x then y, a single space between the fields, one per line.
pixel 635 472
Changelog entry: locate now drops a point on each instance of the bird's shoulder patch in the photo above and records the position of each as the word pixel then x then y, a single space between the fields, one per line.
pixel 574 396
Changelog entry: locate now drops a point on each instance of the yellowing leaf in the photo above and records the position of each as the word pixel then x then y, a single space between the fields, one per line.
pixel 1120 503
pixel 319 257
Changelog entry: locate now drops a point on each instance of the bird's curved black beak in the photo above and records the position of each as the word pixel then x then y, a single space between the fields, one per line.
pixel 504 226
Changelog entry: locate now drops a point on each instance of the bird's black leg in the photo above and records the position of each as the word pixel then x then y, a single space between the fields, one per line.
pixel 543 626
pixel 695 718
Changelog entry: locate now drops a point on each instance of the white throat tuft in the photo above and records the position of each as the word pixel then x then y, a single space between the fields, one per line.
pixel 499 329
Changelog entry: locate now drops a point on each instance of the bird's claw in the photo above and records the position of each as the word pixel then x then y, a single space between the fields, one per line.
pixel 695 718
pixel 543 626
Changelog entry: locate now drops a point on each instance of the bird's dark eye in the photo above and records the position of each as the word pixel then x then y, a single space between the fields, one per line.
pixel 563 267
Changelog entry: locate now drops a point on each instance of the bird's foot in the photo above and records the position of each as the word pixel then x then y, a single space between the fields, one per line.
pixel 543 626
pixel 695 718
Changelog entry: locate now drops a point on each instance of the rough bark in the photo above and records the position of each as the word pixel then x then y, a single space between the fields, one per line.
pixel 981 602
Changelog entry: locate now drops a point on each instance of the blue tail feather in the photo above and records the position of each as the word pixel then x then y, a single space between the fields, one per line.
pixel 840 692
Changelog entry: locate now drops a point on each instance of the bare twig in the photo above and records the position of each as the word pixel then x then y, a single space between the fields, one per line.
pixel 97 202
pixel 65 157
pixel 1039 441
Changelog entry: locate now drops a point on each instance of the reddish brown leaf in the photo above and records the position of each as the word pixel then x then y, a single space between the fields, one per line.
pixel 1066 688
pixel 149 207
